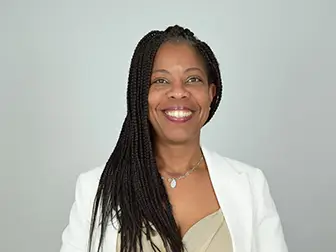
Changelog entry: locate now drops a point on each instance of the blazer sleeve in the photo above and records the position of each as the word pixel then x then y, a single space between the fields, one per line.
pixel 268 233
pixel 75 235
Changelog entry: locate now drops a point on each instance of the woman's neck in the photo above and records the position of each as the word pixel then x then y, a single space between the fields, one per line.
pixel 177 159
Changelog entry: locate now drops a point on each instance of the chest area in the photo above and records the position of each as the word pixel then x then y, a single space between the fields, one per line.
pixel 192 201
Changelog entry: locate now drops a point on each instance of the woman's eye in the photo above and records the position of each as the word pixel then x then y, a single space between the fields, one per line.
pixel 160 81
pixel 194 79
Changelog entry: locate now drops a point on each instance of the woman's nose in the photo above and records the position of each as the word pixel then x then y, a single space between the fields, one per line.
pixel 178 91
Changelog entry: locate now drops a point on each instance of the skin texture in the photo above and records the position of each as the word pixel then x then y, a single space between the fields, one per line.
pixel 179 80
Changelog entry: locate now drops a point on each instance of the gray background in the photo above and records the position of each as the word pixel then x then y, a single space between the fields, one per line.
pixel 64 68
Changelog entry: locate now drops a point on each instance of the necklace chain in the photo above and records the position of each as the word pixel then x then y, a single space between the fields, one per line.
pixel 173 181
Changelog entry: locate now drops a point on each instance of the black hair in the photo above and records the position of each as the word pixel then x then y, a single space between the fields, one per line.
pixel 131 191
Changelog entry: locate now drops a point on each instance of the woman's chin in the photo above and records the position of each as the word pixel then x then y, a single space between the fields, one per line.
pixel 180 138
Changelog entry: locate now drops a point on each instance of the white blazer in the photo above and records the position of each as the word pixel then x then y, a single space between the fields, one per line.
pixel 243 195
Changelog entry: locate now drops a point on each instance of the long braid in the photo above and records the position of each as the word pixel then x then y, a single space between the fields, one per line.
pixel 150 207
pixel 130 189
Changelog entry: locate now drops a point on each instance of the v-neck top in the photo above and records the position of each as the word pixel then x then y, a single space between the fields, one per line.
pixel 209 234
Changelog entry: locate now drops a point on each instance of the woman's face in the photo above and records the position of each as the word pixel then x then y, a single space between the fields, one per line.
pixel 180 95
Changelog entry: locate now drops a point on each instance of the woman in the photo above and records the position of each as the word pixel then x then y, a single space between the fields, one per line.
pixel 160 190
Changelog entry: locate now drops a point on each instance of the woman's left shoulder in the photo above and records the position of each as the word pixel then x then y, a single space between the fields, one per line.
pixel 234 166
pixel 253 172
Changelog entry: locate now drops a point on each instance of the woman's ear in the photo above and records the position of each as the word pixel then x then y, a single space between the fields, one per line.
pixel 212 92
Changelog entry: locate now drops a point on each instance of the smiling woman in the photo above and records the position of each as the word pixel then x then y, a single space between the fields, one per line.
pixel 180 94
pixel 161 190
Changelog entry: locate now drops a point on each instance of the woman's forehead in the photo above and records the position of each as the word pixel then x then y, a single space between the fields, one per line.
pixel 182 53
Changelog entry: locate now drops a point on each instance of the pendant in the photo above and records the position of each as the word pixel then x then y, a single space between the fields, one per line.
pixel 172 183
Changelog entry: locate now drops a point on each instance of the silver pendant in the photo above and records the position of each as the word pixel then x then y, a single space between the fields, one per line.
pixel 172 183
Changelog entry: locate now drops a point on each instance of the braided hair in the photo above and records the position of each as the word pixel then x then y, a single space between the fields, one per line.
pixel 130 189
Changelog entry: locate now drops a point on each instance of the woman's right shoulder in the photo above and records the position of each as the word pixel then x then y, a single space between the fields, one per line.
pixel 75 234
pixel 91 177
pixel 87 184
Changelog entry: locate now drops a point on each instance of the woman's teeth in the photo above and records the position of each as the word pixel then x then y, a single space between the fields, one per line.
pixel 178 113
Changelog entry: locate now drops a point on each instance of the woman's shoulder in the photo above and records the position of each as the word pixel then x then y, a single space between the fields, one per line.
pixel 226 166
pixel 87 184
pixel 220 160
pixel 91 176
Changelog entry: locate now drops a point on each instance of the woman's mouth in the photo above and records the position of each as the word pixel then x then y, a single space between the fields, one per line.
pixel 178 115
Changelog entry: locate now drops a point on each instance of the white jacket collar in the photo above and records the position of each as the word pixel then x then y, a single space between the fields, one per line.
pixel 233 192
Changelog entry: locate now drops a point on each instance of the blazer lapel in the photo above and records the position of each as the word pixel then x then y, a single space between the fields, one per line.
pixel 233 193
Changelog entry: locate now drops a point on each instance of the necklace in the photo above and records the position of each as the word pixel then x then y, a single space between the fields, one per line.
pixel 173 181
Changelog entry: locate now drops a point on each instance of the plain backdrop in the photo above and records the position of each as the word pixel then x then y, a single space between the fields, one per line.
pixel 63 74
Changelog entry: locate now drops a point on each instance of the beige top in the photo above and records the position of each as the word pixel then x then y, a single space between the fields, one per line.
pixel 210 234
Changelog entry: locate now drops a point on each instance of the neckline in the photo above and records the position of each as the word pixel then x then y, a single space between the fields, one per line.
pixel 199 221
